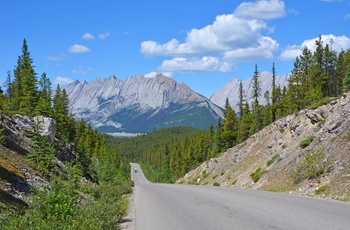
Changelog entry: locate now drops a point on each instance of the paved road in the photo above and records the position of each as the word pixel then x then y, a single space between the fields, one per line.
pixel 167 207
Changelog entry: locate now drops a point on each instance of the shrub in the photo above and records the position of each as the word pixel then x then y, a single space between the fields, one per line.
pixel 216 184
pixel 272 160
pixel 304 143
pixel 321 189
pixel 313 165
pixel 321 123
pixel 257 174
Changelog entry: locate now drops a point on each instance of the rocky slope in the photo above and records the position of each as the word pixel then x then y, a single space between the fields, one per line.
pixel 17 176
pixel 231 89
pixel 284 159
pixel 140 104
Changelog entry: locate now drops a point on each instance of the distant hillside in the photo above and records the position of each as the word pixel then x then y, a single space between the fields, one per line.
pixel 140 104
pixel 307 153
pixel 231 89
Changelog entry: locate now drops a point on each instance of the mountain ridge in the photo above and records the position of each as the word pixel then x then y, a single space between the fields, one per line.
pixel 231 89
pixel 113 105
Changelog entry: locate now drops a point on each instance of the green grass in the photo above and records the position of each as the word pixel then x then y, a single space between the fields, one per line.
pixel 306 142
pixel 272 160
pixel 257 174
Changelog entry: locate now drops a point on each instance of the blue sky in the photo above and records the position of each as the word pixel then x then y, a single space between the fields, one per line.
pixel 204 44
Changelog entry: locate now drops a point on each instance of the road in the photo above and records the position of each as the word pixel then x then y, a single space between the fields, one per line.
pixel 168 207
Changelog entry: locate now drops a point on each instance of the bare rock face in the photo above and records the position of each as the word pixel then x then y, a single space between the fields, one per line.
pixel 47 127
pixel 329 128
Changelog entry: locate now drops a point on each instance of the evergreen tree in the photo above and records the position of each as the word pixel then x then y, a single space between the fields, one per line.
pixel 244 124
pixel 229 127
pixel 256 92
pixel 267 110
pixel 274 93
pixel 41 153
pixel 24 86
pixel 319 79
pixel 7 85
pixel 44 104
pixel 241 99
pixel 346 83
pixel 340 73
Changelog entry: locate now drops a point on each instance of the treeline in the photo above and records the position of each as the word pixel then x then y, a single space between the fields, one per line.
pixel 71 200
pixel 317 77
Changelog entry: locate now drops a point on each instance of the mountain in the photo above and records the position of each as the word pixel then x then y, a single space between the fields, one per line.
pixel 305 153
pixel 231 90
pixel 140 104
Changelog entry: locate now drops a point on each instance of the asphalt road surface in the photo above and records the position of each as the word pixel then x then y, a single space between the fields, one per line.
pixel 168 207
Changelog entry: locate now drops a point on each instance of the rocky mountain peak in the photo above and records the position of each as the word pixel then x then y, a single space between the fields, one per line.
pixel 110 103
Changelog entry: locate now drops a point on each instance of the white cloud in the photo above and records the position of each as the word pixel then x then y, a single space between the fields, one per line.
pixel 80 72
pixel 263 50
pixel 62 80
pixel 261 9
pixel 78 49
pixel 290 53
pixel 104 35
pixel 60 57
pixel 346 17
pixel 235 37
pixel 88 36
pixel 339 43
pixel 205 64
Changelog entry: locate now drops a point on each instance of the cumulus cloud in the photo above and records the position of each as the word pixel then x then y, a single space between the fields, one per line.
pixel 78 49
pixel 230 38
pixel 261 9
pixel 262 50
pixel 88 36
pixel 104 35
pixel 228 32
pixel 337 43
pixel 290 53
pixel 62 80
pixel 194 64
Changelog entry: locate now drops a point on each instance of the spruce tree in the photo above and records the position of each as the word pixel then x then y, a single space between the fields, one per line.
pixel 241 99
pixel 24 86
pixel 44 105
pixel 256 92
pixel 273 94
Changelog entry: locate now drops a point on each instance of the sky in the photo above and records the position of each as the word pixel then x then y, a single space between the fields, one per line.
pixel 204 44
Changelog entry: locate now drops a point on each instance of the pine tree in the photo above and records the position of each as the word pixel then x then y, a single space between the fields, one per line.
pixel 340 73
pixel 267 110
pixel 24 85
pixel 346 83
pixel 244 124
pixel 256 92
pixel 229 127
pixel 319 77
pixel 44 105
pixel 273 94
pixel 41 153
pixel 241 99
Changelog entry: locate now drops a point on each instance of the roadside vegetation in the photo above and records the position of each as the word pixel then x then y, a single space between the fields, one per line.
pixel 317 78
pixel 85 192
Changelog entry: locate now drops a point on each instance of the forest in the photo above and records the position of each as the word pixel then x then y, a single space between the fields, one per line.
pixel 165 155
pixel 317 78
pixel 84 193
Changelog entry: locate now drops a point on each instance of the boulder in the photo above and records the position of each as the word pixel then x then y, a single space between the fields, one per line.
pixel 47 127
